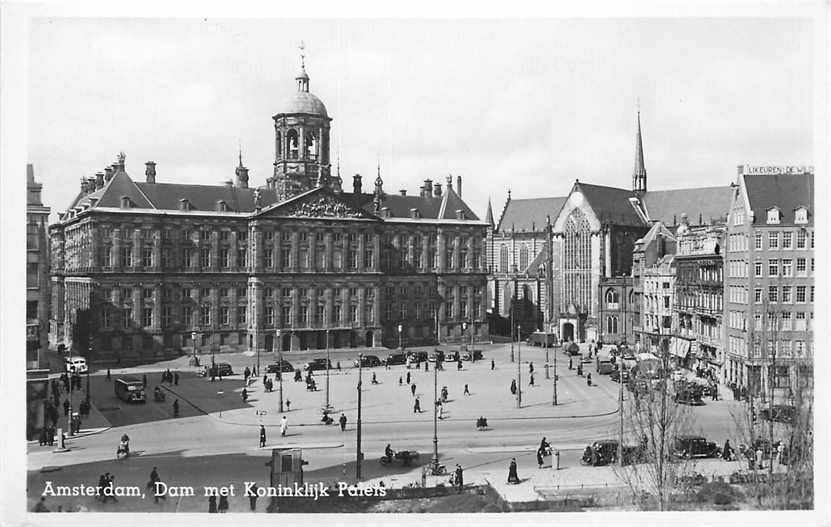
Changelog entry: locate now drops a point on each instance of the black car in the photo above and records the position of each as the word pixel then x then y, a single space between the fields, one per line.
pixel 605 452
pixel 472 355
pixel 219 368
pixel 369 361
pixel 395 358
pixel 316 365
pixel 274 367
pixel 688 393
pixel 690 446
pixel 452 356
pixel 615 375
pixel 781 413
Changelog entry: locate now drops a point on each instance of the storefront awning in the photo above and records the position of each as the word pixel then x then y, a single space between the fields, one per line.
pixel 680 347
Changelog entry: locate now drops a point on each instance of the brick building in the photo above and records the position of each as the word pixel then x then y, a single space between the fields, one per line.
pixel 141 265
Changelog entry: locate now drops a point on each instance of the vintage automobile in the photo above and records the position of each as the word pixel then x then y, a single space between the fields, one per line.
pixel 317 365
pixel 417 356
pixel 367 361
pixel 220 369
pixel 395 358
pixel 274 367
pixel 472 355
pixel 691 446
pixel 780 413
pixel 688 393
pixel 604 367
pixel 452 356
pixel 405 457
pixel 605 452
pixel 615 375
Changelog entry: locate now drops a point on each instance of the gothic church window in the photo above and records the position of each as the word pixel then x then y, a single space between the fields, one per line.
pixel 523 258
pixel 503 259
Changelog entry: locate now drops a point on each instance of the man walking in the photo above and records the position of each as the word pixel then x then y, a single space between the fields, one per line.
pixel 460 481
pixel 417 406
pixel 408 377
pixel 262 436
pixel 413 388
pixel 284 424
pixel 467 390
pixel 342 421
pixel 493 365
pixel 176 378
pixel 252 498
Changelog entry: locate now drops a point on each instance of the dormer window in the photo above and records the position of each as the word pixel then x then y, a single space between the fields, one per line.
pixel 801 215
pixel 126 202
pixel 184 204
pixel 221 206
pixel 773 216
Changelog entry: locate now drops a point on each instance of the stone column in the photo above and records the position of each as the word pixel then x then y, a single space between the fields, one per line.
pixel 457 246
pixel 137 247
pixel 94 260
pixel 425 253
pixel 440 250
pixel 361 253
pixel 157 306
pixel 376 248
pixel 329 258
pixel 294 259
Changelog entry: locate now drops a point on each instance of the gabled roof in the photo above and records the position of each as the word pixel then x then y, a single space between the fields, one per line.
pixel 166 196
pixel 443 207
pixel 711 204
pixel 611 204
pixel 529 214
pixel 319 202
pixel 112 192
pixel 650 236
pixel 786 191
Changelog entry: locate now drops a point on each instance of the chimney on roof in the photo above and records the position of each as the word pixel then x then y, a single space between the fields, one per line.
pixel 84 188
pixel 120 163
pixel 150 171
pixel 428 188
pixel 449 180
pixel 99 180
pixel 459 185
pixel 403 191
pixel 437 190
pixel 242 174
pixel 91 184
pixel 108 174
pixel 659 244
pixel 356 184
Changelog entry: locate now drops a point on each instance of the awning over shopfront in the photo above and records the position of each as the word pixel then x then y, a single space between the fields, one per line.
pixel 680 347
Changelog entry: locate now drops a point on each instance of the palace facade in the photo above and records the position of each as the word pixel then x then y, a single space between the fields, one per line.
pixel 140 268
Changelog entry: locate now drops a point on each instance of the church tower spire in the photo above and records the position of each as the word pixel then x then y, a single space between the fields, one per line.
pixel 489 214
pixel 639 172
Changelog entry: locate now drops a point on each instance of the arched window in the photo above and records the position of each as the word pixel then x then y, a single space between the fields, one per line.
pixel 611 324
pixel 311 146
pixel 523 259
pixel 577 260
pixel 503 259
pixel 631 297
pixel 611 296
pixel 292 145
pixel 278 145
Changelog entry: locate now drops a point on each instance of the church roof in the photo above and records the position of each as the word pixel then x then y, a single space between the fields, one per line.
pixel 711 204
pixel 529 214
pixel 610 204
pixel 785 191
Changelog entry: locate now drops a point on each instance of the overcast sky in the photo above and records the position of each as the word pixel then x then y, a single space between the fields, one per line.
pixel 527 105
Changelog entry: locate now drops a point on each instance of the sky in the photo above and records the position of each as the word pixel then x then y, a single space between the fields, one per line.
pixel 529 105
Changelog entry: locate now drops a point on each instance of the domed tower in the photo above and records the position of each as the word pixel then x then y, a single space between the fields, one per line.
pixel 301 146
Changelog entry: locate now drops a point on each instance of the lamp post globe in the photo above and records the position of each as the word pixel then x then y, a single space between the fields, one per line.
pixel 400 336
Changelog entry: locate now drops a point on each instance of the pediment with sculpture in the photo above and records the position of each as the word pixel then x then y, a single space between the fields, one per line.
pixel 319 205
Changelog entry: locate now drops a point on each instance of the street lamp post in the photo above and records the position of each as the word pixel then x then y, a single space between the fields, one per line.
pixel 328 406
pixel 194 360
pixel 512 329
pixel 435 461
pixel 518 370
pixel 280 367
pixel 620 410
pixel 358 454
pixel 464 328
pixel 400 337
pixel 555 372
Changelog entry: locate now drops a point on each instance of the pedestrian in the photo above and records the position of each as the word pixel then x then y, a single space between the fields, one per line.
pixel 512 474
pixel 223 504
pixel 426 366
pixel 413 388
pixel 252 497
pixel 400 381
pixel 493 365
pixel 176 408
pixel 41 505
pixel 42 437
pixel 780 450
pixel 467 390
pixel 246 374
pixel 102 482
pixel 176 378
pixel 513 386
pixel 154 478
pixel 408 377
pixel 342 421
pixel 726 451
pixel 374 378
pixel 531 383
pixel 759 454
pixel 417 406
pixel 288 405
pixel 459 364
pixel 714 391
pixel 337 365
pixel 108 374
pixel 262 436
pixel 589 379
pixel 111 487
pixel 144 380
pixel 440 406
pixel 460 482
pixel 530 367
pixel 65 407
pixel 211 503
pixel 284 425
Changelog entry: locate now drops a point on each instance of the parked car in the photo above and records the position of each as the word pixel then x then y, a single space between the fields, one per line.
pixel 367 361
pixel 604 367
pixel 274 367
pixel 221 368
pixel 395 358
pixel 438 355
pixel 688 393
pixel 76 364
pixel 316 365
pixel 605 452
pixel 781 413
pixel 452 356
pixel 472 355
pixel 690 446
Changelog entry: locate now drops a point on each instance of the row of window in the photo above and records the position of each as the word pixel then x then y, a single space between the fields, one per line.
pixel 786 269
pixel 778 347
pixel 783 239
pixel 783 321
pixel 789 294
pixel 701 300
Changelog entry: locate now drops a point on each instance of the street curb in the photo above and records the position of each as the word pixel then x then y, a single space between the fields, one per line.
pixel 92 432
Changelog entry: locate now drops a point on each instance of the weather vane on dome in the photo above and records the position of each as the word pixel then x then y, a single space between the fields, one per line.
pixel 302 55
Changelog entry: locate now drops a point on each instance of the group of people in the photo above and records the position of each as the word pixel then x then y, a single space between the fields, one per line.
pixel 106 487
pixel 168 377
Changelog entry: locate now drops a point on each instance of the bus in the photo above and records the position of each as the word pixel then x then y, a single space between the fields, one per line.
pixel 130 389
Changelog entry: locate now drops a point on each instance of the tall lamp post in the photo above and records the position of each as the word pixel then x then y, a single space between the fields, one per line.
pixel 400 336
pixel 555 371
pixel 194 360
pixel 359 455
pixel 518 370
pixel 435 461
pixel 464 328
pixel 280 367
pixel 328 406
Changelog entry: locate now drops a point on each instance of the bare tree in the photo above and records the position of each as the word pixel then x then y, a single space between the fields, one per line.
pixel 654 419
